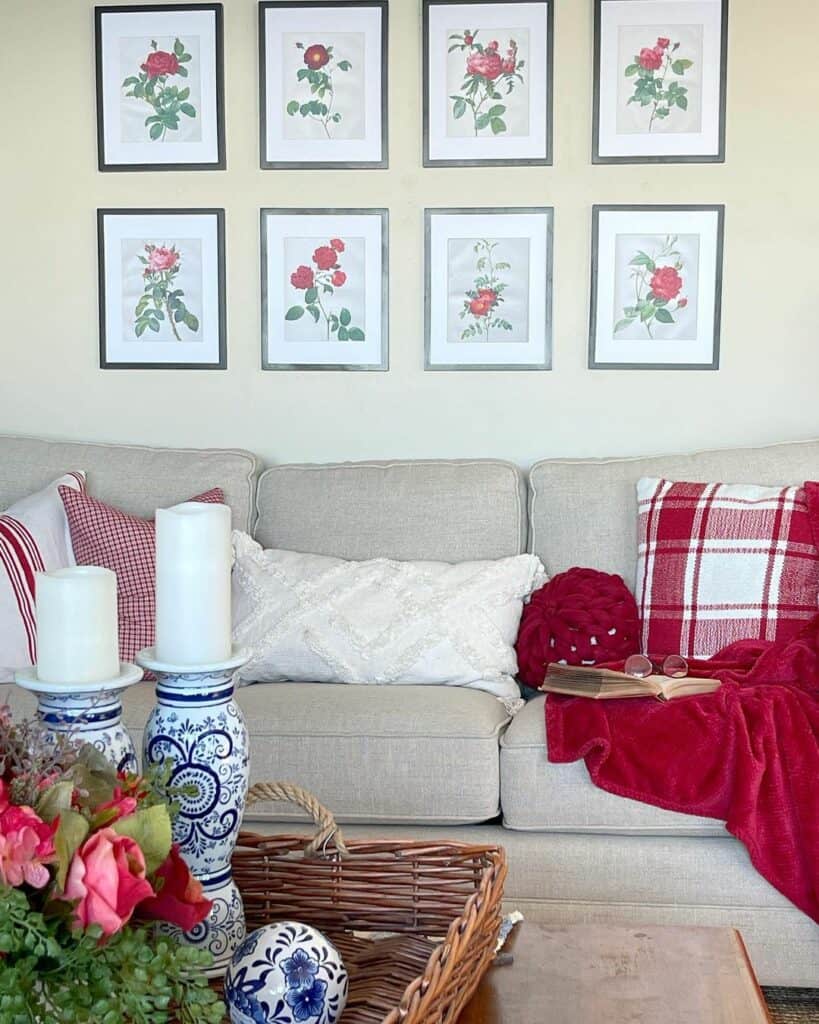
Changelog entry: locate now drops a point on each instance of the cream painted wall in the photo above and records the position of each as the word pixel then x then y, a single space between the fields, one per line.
pixel 765 391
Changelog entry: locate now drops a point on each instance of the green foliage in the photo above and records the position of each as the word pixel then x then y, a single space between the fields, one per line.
pixel 52 975
pixel 168 101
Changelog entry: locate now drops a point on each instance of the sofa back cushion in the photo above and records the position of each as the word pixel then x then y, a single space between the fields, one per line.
pixel 136 479
pixel 426 510
pixel 584 512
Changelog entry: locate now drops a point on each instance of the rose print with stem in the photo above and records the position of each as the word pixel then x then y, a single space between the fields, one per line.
pixel 487 72
pixel 319 284
pixel 481 305
pixel 160 299
pixel 657 284
pixel 321 64
pixel 169 102
pixel 652 66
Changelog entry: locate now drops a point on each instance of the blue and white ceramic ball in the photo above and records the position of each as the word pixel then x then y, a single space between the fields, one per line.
pixel 286 973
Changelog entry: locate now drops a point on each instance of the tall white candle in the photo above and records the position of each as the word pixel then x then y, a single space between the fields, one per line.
pixel 193 563
pixel 77 633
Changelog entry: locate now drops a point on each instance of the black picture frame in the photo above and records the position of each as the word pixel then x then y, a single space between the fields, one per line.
pixel 220 163
pixel 719 209
pixel 694 158
pixel 383 213
pixel 219 214
pixel 547 160
pixel 273 165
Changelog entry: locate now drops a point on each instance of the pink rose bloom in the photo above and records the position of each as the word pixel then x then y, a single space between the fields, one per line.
pixel 666 283
pixel 302 277
pixel 161 258
pixel 120 807
pixel 494 45
pixel 663 43
pixel 160 63
pixel 337 244
pixel 26 846
pixel 488 64
pixel 107 877
pixel 325 257
pixel 651 60
pixel 338 278
pixel 682 303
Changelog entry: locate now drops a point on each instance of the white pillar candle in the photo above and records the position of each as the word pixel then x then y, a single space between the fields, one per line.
pixel 77 632
pixel 193 563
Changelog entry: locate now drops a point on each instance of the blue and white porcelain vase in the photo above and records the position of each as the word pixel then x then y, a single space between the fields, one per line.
pixel 197 725
pixel 88 712
pixel 286 973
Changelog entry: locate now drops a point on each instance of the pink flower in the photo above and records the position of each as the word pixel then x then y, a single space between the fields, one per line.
pixel 325 257
pixel 302 277
pixel 663 43
pixel 337 244
pixel 479 307
pixel 107 878
pixel 494 45
pixel 160 258
pixel 120 807
pixel 651 60
pixel 488 295
pixel 509 65
pixel 488 64
pixel 666 283
pixel 338 278
pixel 682 303
pixel 468 39
pixel 160 63
pixel 26 845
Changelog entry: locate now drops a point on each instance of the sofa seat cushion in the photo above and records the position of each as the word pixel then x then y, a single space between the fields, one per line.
pixel 537 796
pixel 412 754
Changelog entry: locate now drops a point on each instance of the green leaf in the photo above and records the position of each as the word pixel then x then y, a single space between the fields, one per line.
pixel 459 107
pixel 622 324
pixel 632 69
pixel 311 295
pixel 183 94
pixel 178 48
pixel 663 316
pixel 497 110
pixel 343 334
pixel 294 313
pixel 191 322
pixel 314 312
pixel 642 259
pixel 182 71
pixel 679 67
pixel 151 831
pixel 681 101
pixel 356 334
pixel 344 65
pixel 139 329
pixel 482 121
pixel 131 80
pixel 156 130
pixel 345 317
pixel 154 325
pixel 292 107
pixel 498 125
pixel 71 832
pixel 186 108
pixel 184 58
pixel 139 91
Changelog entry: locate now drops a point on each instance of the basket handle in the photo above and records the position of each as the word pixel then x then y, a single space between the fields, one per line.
pixel 291 793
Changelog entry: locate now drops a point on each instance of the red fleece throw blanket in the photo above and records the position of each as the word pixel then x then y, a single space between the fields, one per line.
pixel 747 754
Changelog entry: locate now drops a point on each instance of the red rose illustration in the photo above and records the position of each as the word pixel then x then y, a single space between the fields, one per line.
pixel 666 283
pixel 494 45
pixel 338 278
pixel 337 244
pixel 162 258
pixel 160 63
pixel 682 303
pixel 316 56
pixel 325 257
pixel 488 295
pixel 479 307
pixel 509 65
pixel 651 60
pixel 302 277
pixel 488 64
pixel 663 43
pixel 468 39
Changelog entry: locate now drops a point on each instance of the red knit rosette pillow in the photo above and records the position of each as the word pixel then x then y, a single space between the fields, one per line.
pixel 580 617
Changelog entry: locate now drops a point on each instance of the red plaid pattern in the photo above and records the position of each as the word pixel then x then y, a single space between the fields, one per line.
pixel 718 563
pixel 106 536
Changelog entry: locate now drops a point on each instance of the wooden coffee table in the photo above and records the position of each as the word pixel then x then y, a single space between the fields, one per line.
pixel 615 975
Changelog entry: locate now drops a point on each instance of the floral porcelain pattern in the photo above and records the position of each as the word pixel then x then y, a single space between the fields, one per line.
pixel 286 973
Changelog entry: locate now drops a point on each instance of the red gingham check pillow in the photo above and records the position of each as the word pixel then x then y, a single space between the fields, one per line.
pixel 106 536
pixel 718 563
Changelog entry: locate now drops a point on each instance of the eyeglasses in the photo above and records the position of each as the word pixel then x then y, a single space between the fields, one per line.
pixel 639 666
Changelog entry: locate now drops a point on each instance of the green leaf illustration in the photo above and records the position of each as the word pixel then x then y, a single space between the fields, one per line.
pixel 294 313
pixel 314 312
pixel 191 322
pixel 311 295
pixel 184 58
pixel 344 65
pixel 178 48
pixel 186 108
pixel 356 334
pixel 632 69
pixel 292 107
pixel 642 259
pixel 182 94
pixel 345 317
pixel 664 317
pixel 154 325
pixel 681 101
pixel 459 107
pixel 679 67
pixel 482 121
pixel 182 71
pixel 343 334
pixel 156 130
pixel 497 110
pixel 498 125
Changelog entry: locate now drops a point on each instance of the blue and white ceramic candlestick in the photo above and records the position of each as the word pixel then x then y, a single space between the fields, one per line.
pixel 198 726
pixel 88 712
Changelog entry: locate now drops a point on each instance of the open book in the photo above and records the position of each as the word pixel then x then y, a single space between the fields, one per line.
pixel 604 684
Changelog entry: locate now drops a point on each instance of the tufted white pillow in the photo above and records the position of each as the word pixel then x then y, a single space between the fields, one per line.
pixel 312 618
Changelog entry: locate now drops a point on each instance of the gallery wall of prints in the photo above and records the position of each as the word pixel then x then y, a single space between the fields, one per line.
pixel 526 195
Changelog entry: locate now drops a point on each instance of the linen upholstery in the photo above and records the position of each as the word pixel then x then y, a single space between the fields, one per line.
pixel 537 796
pixel 584 511
pixel 436 511
pixel 134 478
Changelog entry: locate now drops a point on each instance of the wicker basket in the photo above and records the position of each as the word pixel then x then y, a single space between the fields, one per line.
pixel 416 923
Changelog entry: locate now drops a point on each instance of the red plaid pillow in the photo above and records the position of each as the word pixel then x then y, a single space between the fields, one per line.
pixel 718 563
pixel 106 536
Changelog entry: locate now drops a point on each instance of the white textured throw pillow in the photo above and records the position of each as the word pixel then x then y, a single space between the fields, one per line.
pixel 311 618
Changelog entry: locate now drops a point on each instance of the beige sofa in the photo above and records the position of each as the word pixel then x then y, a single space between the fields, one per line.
pixel 434 761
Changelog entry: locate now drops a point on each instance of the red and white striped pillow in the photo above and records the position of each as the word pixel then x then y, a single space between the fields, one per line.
pixel 34 537
pixel 718 563
pixel 125 544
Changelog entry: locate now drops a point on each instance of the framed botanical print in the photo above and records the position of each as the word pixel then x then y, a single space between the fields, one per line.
pixel 162 289
pixel 656 287
pixel 324 289
pixel 323 83
pixel 160 87
pixel 487 91
pixel 660 79
pixel 488 288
